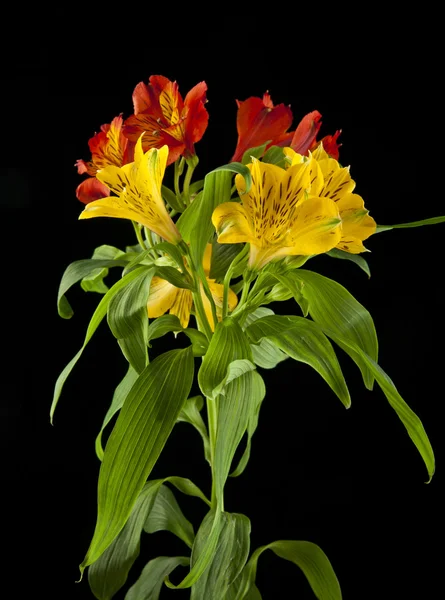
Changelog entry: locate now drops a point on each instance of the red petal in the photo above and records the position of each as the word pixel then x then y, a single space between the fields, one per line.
pixel 197 117
pixel 85 167
pixel 306 132
pixel 91 189
pixel 330 144
pixel 257 122
pixel 155 136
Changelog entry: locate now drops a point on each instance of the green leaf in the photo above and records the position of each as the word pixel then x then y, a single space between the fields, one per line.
pixel 120 393
pixel 166 515
pixel 431 221
pixel 187 487
pixel 228 344
pixel 171 199
pixel 408 417
pixel 230 557
pixel 74 273
pixel 175 277
pixel 222 257
pixel 275 156
pixel 149 584
pixel 170 323
pixel 355 258
pixel 128 319
pixel 303 341
pixel 109 573
pixel 308 557
pixel 333 307
pixel 143 257
pixel 234 411
pixel 293 284
pixel 173 251
pixel 94 282
pixel 265 353
pixel 190 413
pixel 149 414
pixel 256 152
pixel 97 317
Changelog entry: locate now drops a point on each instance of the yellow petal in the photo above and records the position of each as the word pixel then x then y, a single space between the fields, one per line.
pixel 337 182
pixel 182 306
pixel 356 221
pixel 207 259
pixel 232 223
pixel 293 156
pixel 351 244
pixel 162 297
pixel 316 227
pixel 320 153
pixel 217 291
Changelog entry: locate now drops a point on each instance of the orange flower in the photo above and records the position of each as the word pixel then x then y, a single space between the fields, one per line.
pixel 259 121
pixel 304 138
pixel 108 147
pixel 165 118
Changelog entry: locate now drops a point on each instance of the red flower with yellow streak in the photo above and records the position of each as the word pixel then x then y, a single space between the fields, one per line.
pixel 108 147
pixel 165 118
pixel 164 296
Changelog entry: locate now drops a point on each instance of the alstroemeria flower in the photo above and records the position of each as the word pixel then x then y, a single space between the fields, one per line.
pixel 138 193
pixel 165 118
pixel 108 147
pixel 164 297
pixel 337 184
pixel 304 138
pixel 259 121
pixel 281 215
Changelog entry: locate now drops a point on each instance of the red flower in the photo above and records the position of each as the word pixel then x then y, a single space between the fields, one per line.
pixel 330 144
pixel 108 147
pixel 259 121
pixel 165 118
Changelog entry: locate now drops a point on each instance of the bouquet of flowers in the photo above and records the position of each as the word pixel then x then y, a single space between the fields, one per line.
pixel 208 259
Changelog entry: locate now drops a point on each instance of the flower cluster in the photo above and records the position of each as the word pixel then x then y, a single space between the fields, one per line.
pixel 304 206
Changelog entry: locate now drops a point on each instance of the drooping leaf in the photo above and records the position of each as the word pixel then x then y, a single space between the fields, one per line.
pixel 166 515
pixel 149 414
pixel 120 393
pixel 333 307
pixel 175 277
pixel 97 317
pixel 230 557
pixel 170 323
pixel 309 557
pixel 431 221
pixel 74 273
pixel 408 417
pixel 303 341
pixel 141 258
pixel 355 258
pixel 94 282
pixel 128 319
pixel 149 584
pixel 228 344
pixel 109 573
pixel 173 251
pixel 190 413
pixel 265 353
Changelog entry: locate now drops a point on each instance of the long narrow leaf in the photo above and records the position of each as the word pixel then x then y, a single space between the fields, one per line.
pixel 149 584
pixel 303 341
pixel 355 258
pixel 166 515
pixel 190 413
pixel 141 431
pixel 308 557
pixel 97 317
pixel 431 221
pixel 332 306
pixel 128 319
pixel 408 417
pixel 120 393
pixel 74 273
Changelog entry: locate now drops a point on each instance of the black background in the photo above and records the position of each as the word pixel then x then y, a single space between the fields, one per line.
pixel 350 481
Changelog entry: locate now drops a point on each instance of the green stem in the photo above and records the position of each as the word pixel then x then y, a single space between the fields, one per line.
pixel 179 167
pixel 150 242
pixel 208 293
pixel 212 416
pixel 191 166
pixel 228 276
pixel 200 312
pixel 138 232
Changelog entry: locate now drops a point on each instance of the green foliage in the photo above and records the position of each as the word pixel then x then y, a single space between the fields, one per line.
pixel 149 584
pixel 355 258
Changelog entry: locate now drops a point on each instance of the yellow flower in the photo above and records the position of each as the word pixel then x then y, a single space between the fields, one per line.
pixel 164 297
pixel 137 186
pixel 280 215
pixel 336 183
